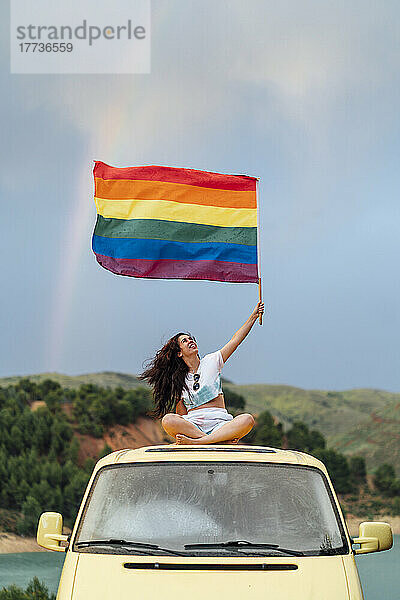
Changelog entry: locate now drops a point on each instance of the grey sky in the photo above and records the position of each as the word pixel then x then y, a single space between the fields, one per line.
pixel 304 95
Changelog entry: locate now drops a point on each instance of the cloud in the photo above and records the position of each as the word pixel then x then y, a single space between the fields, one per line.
pixel 303 94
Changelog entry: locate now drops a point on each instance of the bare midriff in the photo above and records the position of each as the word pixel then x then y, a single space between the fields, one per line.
pixel 217 402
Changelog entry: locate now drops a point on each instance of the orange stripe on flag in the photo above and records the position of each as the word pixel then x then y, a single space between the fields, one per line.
pixel 123 189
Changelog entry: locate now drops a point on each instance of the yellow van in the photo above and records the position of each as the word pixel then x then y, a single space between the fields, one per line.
pixel 213 522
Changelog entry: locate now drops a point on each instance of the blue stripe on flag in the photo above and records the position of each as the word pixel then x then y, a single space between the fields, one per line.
pixel 159 249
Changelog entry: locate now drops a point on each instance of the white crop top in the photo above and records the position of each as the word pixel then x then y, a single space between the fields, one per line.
pixel 210 381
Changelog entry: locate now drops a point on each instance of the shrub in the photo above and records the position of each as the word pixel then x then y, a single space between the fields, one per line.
pixel 104 451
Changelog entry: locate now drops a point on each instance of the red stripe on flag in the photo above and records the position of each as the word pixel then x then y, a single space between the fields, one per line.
pixel 174 175
pixel 211 270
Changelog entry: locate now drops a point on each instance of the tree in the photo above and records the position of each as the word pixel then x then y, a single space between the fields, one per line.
pixel 42 432
pixel 36 590
pixel 49 385
pixel 52 472
pixel 234 400
pixel 396 506
pixel 28 386
pixel 338 469
pixel 53 400
pixel 42 492
pixel 31 511
pixel 265 432
pixel 140 400
pixel 124 412
pixel 385 480
pixel 299 437
pixel 16 440
pixel 358 469
pixel 61 433
pixel 72 451
pixel 73 492
pixel 13 592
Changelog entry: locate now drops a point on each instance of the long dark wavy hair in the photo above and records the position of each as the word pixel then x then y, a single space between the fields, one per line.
pixel 166 373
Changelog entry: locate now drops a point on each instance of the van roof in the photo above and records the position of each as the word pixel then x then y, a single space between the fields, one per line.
pixel 219 452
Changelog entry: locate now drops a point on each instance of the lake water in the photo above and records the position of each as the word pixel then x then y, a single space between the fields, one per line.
pixel 379 572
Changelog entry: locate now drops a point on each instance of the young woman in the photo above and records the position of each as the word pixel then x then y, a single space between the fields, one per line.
pixel 191 386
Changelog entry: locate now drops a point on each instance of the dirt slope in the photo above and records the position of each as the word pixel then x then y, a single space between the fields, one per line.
pixel 145 432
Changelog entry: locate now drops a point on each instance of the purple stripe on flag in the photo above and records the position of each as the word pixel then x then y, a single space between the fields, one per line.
pixel 212 270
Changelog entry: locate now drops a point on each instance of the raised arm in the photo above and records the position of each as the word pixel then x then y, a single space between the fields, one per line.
pixel 241 333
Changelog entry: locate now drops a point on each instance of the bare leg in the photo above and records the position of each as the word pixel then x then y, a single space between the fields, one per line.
pixel 233 430
pixel 174 424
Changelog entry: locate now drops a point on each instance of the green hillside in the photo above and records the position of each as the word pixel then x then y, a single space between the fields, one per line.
pixel 52 435
pixel 362 421
pixel 103 379
pixel 377 437
pixel 331 411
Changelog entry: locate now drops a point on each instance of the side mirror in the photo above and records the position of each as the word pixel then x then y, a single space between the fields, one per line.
pixel 373 537
pixel 49 532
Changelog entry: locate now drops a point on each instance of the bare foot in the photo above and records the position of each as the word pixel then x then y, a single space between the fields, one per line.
pixel 184 439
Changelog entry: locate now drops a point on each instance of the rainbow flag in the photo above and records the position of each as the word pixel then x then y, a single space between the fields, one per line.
pixel 169 223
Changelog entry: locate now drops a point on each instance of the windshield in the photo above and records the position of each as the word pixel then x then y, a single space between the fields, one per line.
pixel 175 504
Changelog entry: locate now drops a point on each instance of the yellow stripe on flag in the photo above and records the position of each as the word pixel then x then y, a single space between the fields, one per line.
pixel 176 211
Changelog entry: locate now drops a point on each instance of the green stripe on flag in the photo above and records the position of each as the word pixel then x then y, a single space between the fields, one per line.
pixel 174 231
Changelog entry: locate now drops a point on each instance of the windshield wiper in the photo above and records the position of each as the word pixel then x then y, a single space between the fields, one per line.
pixel 114 542
pixel 238 544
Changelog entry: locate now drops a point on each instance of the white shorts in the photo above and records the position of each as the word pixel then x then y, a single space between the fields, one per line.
pixel 208 419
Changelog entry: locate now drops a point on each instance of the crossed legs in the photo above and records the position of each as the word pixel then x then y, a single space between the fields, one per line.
pixel 186 433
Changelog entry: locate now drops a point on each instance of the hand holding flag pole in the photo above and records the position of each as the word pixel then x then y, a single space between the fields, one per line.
pixel 260 313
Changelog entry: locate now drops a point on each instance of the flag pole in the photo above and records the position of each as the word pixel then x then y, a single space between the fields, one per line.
pixel 260 320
